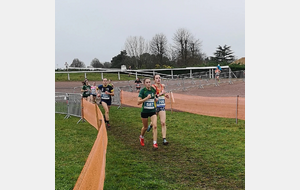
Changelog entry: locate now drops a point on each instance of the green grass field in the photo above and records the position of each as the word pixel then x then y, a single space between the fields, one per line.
pixel 60 77
pixel 204 152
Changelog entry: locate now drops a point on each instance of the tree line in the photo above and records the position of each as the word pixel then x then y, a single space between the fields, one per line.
pixel 185 51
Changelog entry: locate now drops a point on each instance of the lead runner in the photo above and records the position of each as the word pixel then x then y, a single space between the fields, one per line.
pixel 147 98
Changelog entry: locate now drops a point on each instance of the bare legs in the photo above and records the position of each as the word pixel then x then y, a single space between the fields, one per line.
pixel 154 125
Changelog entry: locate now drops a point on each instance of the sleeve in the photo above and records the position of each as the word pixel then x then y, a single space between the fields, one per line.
pixel 141 93
pixel 100 87
pixel 111 89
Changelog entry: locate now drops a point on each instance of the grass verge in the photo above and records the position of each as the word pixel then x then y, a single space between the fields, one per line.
pixel 204 153
pixel 60 77
pixel 73 143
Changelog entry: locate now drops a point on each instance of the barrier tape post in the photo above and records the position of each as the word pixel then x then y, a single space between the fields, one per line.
pixel 121 98
pixel 171 102
pixel 237 102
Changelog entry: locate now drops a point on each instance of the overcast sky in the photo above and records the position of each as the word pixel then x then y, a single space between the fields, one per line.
pixel 98 29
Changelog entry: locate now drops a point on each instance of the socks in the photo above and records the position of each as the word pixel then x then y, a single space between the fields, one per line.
pixel 154 142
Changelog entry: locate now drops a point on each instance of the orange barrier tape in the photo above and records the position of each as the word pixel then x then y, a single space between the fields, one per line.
pixel 210 106
pixel 93 173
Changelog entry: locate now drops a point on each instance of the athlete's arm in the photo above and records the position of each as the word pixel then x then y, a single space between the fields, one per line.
pixel 140 100
pixel 110 93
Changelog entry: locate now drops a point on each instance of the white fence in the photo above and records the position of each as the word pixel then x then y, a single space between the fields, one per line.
pixel 189 72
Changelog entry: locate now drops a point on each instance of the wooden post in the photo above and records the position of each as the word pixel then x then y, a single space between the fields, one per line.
pixel 171 102
pixel 237 104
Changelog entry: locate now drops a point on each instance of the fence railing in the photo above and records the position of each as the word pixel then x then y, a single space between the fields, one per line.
pixel 190 72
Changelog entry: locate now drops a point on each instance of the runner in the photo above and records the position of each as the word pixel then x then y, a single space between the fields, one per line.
pixel 160 107
pixel 93 93
pixel 106 92
pixel 147 98
pixel 85 91
pixel 217 71
pixel 138 84
pixel 110 83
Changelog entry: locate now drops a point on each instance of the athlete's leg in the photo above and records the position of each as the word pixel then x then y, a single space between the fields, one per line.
pixel 162 116
pixel 154 126
pixel 145 126
pixel 105 107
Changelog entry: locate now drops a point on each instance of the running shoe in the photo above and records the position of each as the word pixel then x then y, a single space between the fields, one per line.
pixel 165 142
pixel 142 141
pixel 149 127
pixel 107 125
pixel 155 146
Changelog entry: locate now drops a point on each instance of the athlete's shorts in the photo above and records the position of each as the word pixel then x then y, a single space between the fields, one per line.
pixel 108 102
pixel 138 88
pixel 160 109
pixel 146 115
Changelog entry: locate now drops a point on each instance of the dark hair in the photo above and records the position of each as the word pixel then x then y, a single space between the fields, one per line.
pixel 155 75
pixel 83 83
pixel 146 79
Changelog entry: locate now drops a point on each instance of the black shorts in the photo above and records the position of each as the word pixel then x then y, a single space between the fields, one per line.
pixel 138 88
pixel 146 115
pixel 158 109
pixel 108 102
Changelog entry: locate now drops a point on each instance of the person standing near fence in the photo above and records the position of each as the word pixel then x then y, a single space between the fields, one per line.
pixel 129 68
pixel 147 98
pixel 138 84
pixel 106 91
pixel 160 107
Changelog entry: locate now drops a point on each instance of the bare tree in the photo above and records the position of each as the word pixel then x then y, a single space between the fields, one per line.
pixel 187 48
pixel 181 39
pixel 135 47
pixel 158 47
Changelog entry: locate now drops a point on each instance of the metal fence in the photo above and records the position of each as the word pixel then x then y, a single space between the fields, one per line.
pixel 70 103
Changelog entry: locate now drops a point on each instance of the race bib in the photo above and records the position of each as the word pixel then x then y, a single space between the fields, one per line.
pixel 104 96
pixel 149 104
pixel 161 102
pixel 93 91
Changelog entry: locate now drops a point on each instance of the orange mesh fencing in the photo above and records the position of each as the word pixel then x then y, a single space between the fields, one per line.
pixel 226 107
pixel 93 173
